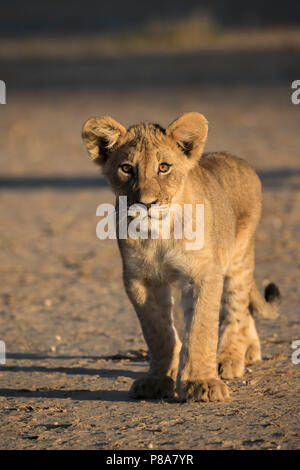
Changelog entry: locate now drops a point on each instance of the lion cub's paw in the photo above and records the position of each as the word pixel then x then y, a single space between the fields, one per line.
pixel 152 386
pixel 253 353
pixel 231 367
pixel 203 390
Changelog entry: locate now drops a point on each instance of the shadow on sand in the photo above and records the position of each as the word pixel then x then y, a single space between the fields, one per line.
pixel 272 179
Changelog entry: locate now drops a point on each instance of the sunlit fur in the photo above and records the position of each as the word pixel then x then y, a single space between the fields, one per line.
pixel 231 193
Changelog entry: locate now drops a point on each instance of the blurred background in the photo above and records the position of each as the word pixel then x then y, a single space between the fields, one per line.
pixel 65 45
pixel 63 61
pixel 138 61
pixel 61 294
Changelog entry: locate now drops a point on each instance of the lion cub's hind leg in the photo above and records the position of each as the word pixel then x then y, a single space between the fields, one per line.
pixel 239 343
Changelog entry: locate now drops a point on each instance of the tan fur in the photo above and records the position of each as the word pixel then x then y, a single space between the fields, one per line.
pixel 231 193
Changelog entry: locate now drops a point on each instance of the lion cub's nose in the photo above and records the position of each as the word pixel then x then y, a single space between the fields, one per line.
pixel 147 204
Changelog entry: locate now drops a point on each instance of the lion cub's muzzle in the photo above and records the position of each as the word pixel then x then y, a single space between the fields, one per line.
pixel 153 210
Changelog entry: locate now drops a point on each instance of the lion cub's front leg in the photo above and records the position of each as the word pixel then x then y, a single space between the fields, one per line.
pixel 198 377
pixel 153 304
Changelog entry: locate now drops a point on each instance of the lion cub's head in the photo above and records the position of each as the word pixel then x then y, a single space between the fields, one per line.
pixel 146 163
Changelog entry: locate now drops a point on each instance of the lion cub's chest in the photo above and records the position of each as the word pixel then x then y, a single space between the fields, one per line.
pixel 157 260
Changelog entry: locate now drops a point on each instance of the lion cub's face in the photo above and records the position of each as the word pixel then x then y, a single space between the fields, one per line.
pixel 147 166
pixel 146 163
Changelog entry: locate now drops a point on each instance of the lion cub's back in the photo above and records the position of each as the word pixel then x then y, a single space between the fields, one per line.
pixel 238 179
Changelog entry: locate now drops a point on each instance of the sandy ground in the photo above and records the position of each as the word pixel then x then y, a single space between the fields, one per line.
pixel 74 345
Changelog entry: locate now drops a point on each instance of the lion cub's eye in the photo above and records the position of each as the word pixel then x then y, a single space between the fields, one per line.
pixel 126 168
pixel 164 167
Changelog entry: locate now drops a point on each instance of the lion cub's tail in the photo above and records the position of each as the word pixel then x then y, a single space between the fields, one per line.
pixel 267 307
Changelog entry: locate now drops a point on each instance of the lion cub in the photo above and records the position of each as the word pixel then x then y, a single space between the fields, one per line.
pixel 161 167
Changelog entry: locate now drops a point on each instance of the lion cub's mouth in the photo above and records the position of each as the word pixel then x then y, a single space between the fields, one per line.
pixel 156 211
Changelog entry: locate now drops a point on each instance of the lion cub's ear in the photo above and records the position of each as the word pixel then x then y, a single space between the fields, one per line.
pixel 190 132
pixel 100 135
